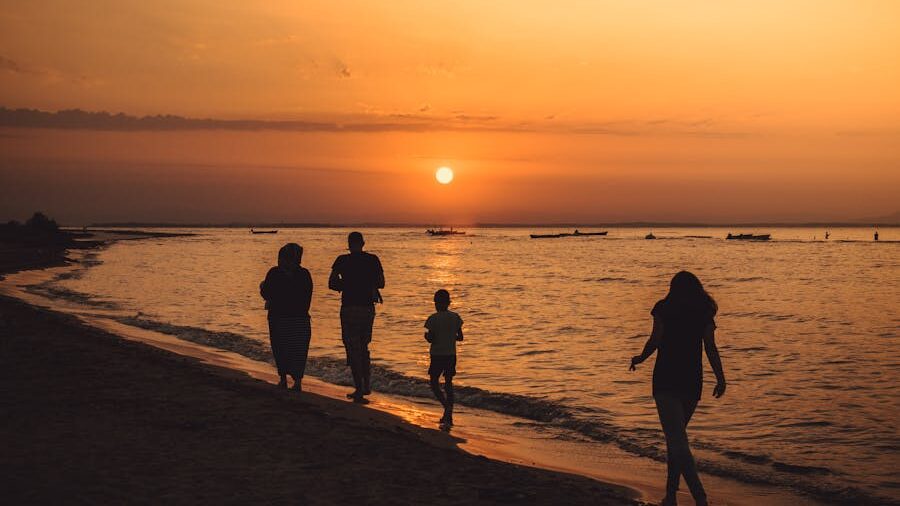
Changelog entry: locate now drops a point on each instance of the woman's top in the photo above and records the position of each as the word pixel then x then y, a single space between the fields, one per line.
pixel 679 364
pixel 287 294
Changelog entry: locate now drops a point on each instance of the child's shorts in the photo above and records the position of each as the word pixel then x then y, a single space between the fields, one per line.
pixel 442 365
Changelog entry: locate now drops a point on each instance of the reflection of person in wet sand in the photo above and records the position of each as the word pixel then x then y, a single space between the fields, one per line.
pixel 683 325
pixel 287 290
pixel 444 329
pixel 358 276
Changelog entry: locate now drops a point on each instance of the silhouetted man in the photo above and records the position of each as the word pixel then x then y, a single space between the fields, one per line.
pixel 358 276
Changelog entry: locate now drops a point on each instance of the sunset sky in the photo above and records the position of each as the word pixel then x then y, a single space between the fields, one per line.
pixel 548 111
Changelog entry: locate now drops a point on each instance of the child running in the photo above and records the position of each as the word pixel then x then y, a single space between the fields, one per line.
pixel 444 329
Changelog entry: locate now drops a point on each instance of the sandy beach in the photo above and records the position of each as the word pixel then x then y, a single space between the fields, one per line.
pixel 92 418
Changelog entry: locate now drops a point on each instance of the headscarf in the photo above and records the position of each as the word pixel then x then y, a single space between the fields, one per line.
pixel 289 257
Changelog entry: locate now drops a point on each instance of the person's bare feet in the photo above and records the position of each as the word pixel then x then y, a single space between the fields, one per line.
pixel 282 383
pixel 298 387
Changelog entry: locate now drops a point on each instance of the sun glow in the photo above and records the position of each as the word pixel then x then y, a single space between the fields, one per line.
pixel 444 175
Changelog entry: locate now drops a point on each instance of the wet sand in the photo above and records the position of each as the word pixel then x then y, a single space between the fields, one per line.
pixel 93 418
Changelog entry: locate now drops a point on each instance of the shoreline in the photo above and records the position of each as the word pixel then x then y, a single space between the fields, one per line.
pixel 117 431
pixel 18 256
pixel 82 425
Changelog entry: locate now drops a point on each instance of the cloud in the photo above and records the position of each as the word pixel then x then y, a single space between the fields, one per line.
pixel 14 67
pixel 48 75
pixel 76 119
pixel 469 117
pixel 371 121
pixel 343 71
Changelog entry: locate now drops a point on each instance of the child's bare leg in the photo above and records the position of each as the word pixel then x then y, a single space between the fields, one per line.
pixel 448 405
pixel 436 388
pixel 448 387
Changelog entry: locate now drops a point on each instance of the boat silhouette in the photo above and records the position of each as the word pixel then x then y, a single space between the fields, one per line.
pixel 441 232
pixel 748 237
pixel 576 233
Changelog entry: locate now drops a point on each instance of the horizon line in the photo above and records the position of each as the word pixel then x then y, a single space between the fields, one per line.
pixel 626 224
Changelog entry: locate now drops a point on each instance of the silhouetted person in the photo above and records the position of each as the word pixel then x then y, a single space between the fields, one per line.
pixel 827 235
pixel 444 329
pixel 287 290
pixel 683 325
pixel 876 235
pixel 358 276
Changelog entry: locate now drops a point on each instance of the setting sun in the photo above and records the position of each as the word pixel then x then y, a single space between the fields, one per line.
pixel 444 175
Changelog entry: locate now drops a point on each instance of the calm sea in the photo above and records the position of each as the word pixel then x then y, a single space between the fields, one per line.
pixel 807 329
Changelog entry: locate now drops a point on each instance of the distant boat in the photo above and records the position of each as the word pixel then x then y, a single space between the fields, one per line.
pixel 650 236
pixel 442 232
pixel 749 237
pixel 263 231
pixel 576 233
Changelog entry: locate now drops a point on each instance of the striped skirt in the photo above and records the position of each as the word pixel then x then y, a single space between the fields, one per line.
pixel 289 336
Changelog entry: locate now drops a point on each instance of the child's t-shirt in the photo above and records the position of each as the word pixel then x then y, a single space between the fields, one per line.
pixel 443 327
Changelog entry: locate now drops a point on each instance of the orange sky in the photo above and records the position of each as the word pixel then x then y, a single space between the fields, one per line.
pixel 548 111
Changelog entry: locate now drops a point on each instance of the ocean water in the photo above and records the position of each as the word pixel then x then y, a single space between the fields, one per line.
pixel 808 330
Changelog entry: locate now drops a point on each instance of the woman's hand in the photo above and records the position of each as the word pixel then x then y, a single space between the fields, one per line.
pixel 719 391
pixel 635 360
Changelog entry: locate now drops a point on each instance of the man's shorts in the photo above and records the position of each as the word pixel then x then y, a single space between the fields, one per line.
pixel 442 365
pixel 356 328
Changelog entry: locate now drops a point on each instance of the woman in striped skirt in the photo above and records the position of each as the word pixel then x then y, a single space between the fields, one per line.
pixel 287 290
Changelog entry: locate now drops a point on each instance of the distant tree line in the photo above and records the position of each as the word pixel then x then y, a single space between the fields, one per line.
pixel 40 228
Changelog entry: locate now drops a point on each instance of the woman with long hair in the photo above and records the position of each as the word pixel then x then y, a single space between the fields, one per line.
pixel 683 325
pixel 287 290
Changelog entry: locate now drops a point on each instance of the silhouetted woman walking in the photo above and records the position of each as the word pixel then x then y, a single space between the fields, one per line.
pixel 683 324
pixel 287 290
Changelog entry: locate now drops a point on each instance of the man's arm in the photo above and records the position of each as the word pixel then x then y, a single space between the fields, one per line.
pixel 459 334
pixel 712 353
pixel 651 345
pixel 428 335
pixel 335 282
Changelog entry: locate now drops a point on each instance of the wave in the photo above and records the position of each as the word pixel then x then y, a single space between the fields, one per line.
pixel 612 280
pixel 534 352
pixel 748 279
pixel 55 292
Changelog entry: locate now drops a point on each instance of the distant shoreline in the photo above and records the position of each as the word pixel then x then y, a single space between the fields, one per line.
pixel 496 225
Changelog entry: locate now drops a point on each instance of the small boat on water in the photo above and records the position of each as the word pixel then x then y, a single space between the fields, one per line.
pixel 263 231
pixel 650 236
pixel 576 233
pixel 748 237
pixel 441 232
